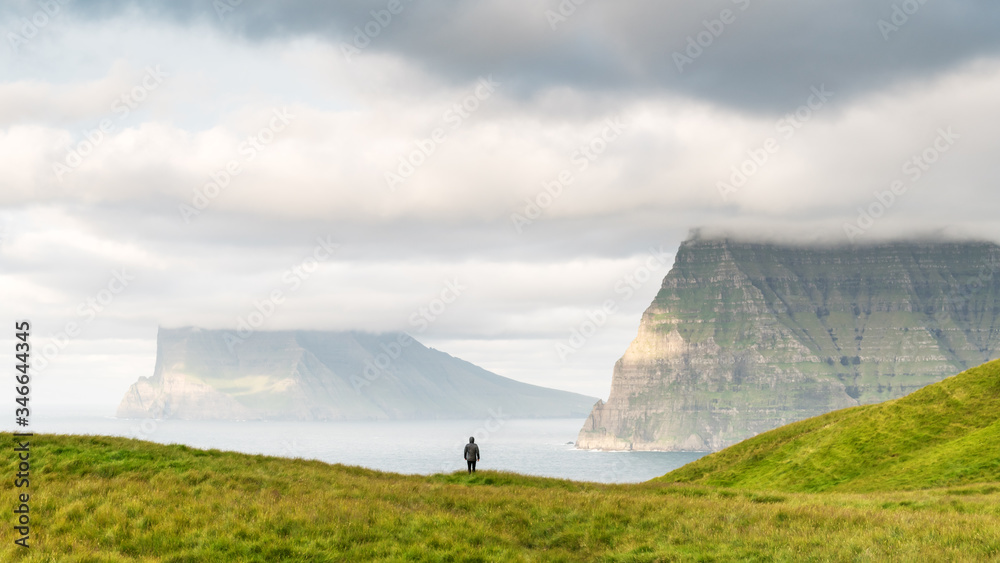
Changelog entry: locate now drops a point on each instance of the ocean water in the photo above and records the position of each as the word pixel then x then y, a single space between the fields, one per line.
pixel 542 447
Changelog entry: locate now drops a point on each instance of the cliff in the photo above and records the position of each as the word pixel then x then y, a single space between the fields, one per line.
pixel 312 375
pixel 745 337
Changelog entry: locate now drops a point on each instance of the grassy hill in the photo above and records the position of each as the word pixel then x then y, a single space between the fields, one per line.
pixel 943 435
pixel 912 479
pixel 97 499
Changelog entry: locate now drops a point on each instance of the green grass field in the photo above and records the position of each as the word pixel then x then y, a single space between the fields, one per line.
pixel 912 480
pixel 943 435
pixel 111 499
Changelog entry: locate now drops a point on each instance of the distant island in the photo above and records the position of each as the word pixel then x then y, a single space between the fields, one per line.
pixel 326 375
pixel 746 336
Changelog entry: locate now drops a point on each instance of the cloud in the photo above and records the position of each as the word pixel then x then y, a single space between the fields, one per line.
pixel 759 61
pixel 412 104
pixel 671 153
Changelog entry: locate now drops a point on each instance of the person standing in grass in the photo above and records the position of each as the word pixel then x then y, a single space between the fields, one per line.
pixel 471 454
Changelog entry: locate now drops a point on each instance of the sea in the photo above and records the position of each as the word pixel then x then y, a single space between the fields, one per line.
pixel 542 447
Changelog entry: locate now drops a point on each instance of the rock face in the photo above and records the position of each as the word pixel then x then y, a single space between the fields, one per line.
pixel 746 337
pixel 309 375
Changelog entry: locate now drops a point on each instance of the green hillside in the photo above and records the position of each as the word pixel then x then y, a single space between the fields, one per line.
pixel 943 435
pixel 97 499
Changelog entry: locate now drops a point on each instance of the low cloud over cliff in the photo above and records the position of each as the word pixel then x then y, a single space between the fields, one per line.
pixel 534 151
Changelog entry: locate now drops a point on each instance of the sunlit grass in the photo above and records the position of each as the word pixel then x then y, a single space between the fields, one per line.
pixel 114 499
pixel 945 434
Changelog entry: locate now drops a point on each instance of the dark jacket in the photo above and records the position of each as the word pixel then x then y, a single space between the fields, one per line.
pixel 471 452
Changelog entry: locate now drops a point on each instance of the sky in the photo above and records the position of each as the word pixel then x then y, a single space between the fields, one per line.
pixel 489 176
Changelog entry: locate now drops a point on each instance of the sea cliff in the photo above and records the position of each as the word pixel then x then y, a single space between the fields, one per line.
pixel 326 375
pixel 744 337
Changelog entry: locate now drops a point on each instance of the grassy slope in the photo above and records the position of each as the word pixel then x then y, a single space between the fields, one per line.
pixel 112 499
pixel 945 434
